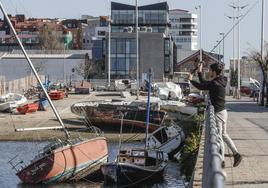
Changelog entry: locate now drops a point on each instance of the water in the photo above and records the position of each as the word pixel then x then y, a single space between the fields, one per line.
pixel 27 150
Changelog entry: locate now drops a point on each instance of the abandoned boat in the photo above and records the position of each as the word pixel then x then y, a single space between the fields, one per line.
pixel 167 139
pixel 11 101
pixel 107 117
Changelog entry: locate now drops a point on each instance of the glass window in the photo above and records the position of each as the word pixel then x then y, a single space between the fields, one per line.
pixel 113 64
pixel 121 46
pixel 121 64
pixel 167 47
pixel 113 46
pixel 132 46
pixel 166 64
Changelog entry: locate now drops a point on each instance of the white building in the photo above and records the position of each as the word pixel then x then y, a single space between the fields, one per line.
pixel 58 67
pixel 184 29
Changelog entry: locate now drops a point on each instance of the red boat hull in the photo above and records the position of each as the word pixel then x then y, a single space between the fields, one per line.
pixel 28 108
pixel 56 95
pixel 68 163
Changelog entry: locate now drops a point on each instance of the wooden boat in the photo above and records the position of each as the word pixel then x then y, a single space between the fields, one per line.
pixel 134 119
pixel 134 166
pixel 167 139
pixel 56 95
pixel 66 161
pixel 107 117
pixel 28 108
pixel 11 101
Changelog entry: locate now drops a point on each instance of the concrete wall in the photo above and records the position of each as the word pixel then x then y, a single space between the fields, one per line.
pixel 56 69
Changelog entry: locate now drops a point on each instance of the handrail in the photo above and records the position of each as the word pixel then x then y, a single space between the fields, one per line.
pixel 213 173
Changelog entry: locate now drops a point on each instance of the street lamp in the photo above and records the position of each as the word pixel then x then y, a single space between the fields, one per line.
pixel 200 29
pixel 223 36
pixel 109 49
pixel 137 45
pixel 262 53
pixel 219 53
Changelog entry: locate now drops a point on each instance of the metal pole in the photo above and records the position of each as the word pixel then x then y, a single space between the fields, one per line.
pixel 201 53
pixel 262 51
pixel 64 64
pixel 109 50
pixel 34 71
pixel 238 51
pixel 137 45
pixel 148 109
pixel 200 31
pixel 262 29
pixel 234 61
pixel 223 36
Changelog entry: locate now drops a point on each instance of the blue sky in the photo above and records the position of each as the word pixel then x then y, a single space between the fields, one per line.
pixel 214 20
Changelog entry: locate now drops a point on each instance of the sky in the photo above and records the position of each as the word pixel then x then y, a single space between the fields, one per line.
pixel 214 17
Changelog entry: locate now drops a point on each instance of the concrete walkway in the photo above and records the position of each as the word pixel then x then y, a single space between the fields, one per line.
pixel 248 127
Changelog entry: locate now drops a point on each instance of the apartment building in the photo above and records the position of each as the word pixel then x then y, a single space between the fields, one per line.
pixel 184 29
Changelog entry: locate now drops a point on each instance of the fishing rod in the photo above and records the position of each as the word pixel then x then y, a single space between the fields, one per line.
pixel 232 28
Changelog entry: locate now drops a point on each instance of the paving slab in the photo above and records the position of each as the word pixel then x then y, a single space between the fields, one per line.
pixel 248 127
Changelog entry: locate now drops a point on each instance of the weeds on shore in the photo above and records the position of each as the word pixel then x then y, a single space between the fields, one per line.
pixel 189 152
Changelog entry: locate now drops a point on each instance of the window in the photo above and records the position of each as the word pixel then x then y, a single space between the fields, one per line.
pixel 132 46
pixel 167 47
pixel 113 46
pixel 167 64
pixel 121 64
pixel 121 46
pixel 101 33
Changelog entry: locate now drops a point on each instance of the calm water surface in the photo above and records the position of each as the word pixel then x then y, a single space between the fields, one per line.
pixel 27 150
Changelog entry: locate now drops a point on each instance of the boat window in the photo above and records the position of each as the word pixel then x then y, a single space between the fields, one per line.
pixel 161 136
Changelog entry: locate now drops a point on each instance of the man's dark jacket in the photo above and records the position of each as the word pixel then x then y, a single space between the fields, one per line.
pixel 216 90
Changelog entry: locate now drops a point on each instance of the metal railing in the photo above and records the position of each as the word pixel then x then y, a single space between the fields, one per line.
pixel 213 173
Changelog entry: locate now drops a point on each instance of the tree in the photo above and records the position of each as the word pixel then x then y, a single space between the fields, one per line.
pixel 83 68
pixel 50 36
pixel 234 78
pixel 263 64
pixel 38 65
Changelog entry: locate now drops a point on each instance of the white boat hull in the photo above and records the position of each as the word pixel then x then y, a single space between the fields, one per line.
pixel 10 101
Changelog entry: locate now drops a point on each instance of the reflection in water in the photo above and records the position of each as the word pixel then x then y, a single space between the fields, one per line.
pixel 27 150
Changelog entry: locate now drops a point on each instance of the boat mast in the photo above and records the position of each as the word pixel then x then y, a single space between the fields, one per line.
pixel 148 109
pixel 34 71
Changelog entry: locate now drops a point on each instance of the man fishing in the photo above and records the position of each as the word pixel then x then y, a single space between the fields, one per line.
pixel 216 87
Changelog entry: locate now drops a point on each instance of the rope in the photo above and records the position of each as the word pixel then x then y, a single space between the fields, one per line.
pixel 137 182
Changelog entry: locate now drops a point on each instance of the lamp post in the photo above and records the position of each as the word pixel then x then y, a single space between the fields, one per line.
pixel 219 52
pixel 137 50
pixel 238 52
pixel 234 60
pixel 109 49
pixel 200 29
pixel 262 89
pixel 223 36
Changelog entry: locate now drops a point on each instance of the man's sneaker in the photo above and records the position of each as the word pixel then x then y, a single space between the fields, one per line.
pixel 237 159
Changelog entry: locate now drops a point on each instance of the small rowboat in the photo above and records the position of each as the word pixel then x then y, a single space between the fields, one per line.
pixel 28 108
pixel 56 95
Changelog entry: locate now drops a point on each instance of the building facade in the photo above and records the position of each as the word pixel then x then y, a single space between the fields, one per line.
pixel 156 48
pixel 184 29
pixel 152 18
